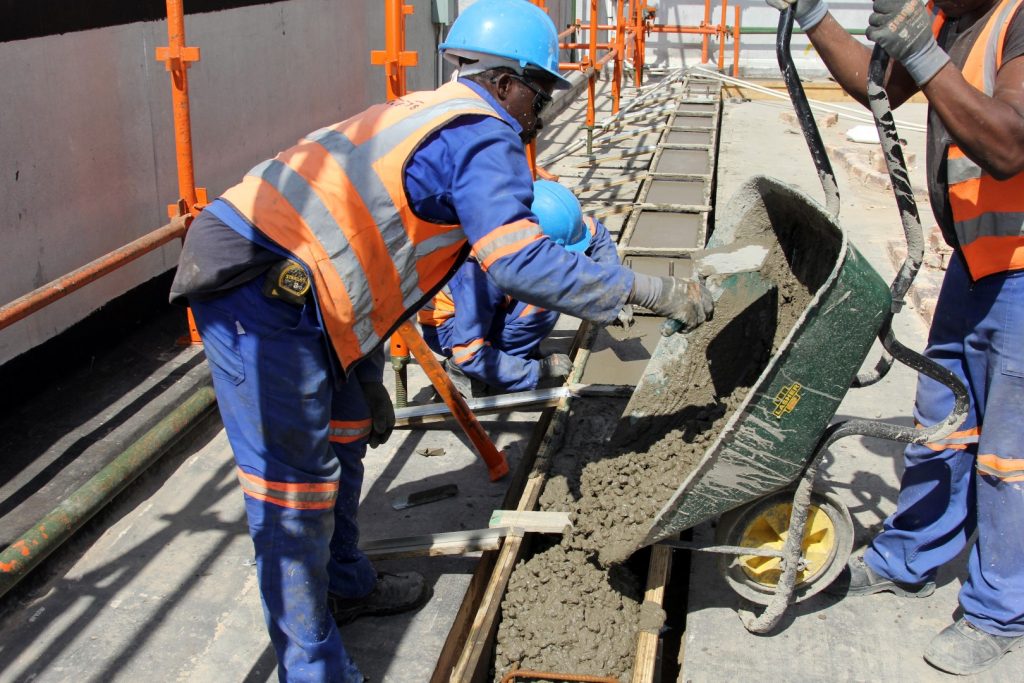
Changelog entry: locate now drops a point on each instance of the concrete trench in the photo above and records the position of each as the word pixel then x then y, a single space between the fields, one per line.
pixel 562 611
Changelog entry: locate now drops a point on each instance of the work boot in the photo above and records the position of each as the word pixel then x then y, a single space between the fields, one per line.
pixel 860 579
pixel 962 648
pixel 393 593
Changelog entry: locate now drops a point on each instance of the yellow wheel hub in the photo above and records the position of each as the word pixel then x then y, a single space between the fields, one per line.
pixel 769 531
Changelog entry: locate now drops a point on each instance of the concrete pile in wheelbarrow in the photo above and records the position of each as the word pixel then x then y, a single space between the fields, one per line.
pixel 572 607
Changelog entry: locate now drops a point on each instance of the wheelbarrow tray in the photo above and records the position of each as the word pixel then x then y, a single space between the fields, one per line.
pixel 772 434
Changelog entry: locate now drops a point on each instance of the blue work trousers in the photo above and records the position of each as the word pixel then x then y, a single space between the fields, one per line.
pixel 514 339
pixel 279 401
pixel 974 479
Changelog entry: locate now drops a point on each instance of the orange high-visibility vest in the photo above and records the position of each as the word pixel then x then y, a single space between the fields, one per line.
pixel 438 310
pixel 337 202
pixel 988 214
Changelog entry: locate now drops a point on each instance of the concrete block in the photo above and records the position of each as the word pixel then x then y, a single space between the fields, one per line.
pixel 876 159
pixel 824 120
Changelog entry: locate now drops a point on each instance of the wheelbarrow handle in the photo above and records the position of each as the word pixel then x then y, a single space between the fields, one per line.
pixel 803 112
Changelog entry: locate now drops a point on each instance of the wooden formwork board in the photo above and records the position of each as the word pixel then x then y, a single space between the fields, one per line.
pixel 465 656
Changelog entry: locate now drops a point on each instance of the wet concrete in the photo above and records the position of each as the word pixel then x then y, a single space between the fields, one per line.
pixel 696 161
pixel 688 137
pixel 619 357
pixel 678 192
pixel 562 613
pixel 664 229
pixel 684 120
pixel 656 265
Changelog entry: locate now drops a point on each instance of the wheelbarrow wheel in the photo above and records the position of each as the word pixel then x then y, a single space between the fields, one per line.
pixel 826 546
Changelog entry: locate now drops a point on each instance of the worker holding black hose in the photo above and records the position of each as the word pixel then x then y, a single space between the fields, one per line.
pixel 298 275
pixel 966 57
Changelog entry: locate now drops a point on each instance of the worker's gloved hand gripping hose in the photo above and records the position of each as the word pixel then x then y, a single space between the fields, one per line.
pixel 903 28
pixel 685 302
pixel 382 412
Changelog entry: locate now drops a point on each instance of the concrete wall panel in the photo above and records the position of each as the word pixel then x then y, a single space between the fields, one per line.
pixel 87 156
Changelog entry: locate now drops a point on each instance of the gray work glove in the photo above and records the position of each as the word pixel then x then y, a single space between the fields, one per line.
pixel 382 412
pixel 904 29
pixel 555 366
pixel 686 302
pixel 808 13
pixel 624 319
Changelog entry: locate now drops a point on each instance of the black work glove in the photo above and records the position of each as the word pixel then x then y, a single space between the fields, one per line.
pixel 555 366
pixel 382 412
pixel 904 29
pixel 686 302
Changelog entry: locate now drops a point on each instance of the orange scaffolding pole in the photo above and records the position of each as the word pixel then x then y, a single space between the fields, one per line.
pixel 736 41
pixel 620 38
pixel 28 304
pixel 394 57
pixel 177 58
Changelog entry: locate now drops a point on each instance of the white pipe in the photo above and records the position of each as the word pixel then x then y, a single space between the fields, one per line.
pixel 849 112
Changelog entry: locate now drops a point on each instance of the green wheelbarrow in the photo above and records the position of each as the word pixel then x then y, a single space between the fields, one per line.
pixel 779 540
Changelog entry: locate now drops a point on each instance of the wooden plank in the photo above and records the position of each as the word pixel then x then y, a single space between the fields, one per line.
pixel 503 523
pixel 435 545
pixel 646 660
pixel 471 659
pixel 531 520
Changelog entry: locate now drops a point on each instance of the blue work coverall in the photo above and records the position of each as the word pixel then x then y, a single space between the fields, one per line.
pixel 298 422
pixel 512 330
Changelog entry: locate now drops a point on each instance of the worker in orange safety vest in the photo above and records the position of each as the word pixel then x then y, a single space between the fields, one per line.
pixel 298 275
pixel 967 57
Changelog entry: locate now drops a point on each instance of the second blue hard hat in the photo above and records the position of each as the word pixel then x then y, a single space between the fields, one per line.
pixel 513 29
pixel 560 215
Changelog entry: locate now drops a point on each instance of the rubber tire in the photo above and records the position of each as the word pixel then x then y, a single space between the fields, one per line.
pixel 730 531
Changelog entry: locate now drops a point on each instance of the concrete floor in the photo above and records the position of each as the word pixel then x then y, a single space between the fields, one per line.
pixel 879 637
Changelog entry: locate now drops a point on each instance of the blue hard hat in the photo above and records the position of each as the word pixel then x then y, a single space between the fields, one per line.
pixel 561 217
pixel 513 29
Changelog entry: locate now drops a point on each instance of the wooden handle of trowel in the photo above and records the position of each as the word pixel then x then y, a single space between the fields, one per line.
pixel 497 466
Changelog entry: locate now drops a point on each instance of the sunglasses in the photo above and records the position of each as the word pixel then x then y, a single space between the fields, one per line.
pixel 540 98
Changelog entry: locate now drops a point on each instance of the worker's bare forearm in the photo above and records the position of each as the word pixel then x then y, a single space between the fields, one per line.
pixel 848 59
pixel 990 130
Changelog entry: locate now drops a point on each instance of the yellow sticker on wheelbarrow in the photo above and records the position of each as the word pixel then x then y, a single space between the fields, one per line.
pixel 786 399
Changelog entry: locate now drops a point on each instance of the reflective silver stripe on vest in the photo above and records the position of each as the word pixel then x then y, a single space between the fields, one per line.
pixel 961 170
pixel 307 204
pixel 482 254
pixel 250 486
pixel 1008 224
pixel 358 164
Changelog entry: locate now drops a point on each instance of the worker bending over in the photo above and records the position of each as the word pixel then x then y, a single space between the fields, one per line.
pixel 298 274
pixel 967 60
pixel 491 341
